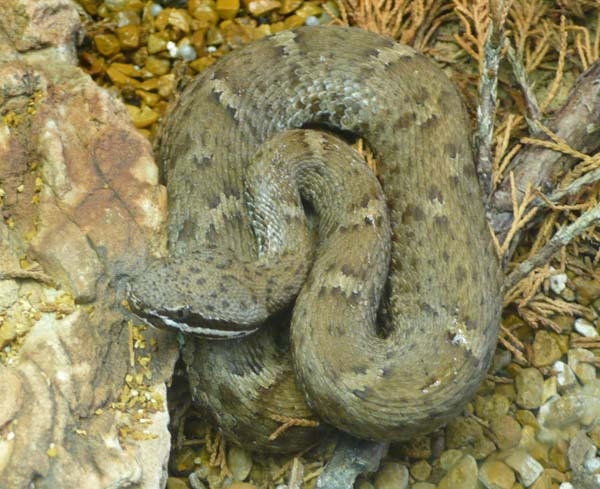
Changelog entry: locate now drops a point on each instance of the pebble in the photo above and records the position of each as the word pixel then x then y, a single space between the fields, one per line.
pixel 546 350
pixel 495 474
pixel 528 468
pixel 585 328
pixel 420 470
pixel 107 44
pixel 587 290
pixel 392 476
pixel 239 462
pixel 565 377
pixel 530 386
pixel 581 449
pixel 550 389
pixel 561 412
pixel 423 485
pixel 175 483
pixel 449 458
pixel 507 431
pixel 558 282
pixel 566 485
pixel 586 372
pixel 490 407
pixel 463 474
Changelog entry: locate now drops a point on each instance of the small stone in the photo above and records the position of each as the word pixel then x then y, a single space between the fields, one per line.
pixel 532 446
pixel 558 457
pixel 526 418
pixel 585 328
pixel 587 290
pixel 543 482
pixel 176 18
pixel 175 483
pixel 495 474
pixel 463 474
pixel 288 6
pixel 578 359
pixel 309 9
pixel 581 449
pixel 507 431
pixel 214 36
pixel 489 407
pixel 182 461
pixel 550 389
pixel 129 36
pixel 156 44
pixel 420 470
pixel 293 21
pixel 530 385
pixel 239 462
pixel 528 468
pixel 157 66
pixel 423 485
pixel 142 117
pixel 566 485
pixel 545 349
pixel 392 476
pixel 261 7
pixel 449 458
pixel 107 44
pixel 204 11
pixel 558 282
pixel 565 377
pixel 561 412
pixel 228 9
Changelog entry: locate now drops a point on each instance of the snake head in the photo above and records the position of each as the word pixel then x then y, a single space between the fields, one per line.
pixel 201 293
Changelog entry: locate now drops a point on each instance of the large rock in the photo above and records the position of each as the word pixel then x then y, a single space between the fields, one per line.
pixel 78 406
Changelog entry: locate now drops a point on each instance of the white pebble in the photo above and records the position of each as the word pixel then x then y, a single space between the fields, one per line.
pixel 155 9
pixel 172 48
pixel 558 282
pixel 592 464
pixel 187 52
pixel 211 49
pixel 312 20
pixel 585 328
pixel 566 485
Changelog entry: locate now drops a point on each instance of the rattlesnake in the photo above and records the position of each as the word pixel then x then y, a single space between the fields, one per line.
pixel 439 316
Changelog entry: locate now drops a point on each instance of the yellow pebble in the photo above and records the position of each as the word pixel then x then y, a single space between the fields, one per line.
pixel 288 6
pixel 261 7
pixel 308 9
pixel 173 17
pixel 158 66
pixel 201 63
pixel 129 36
pixel 166 85
pixel 156 44
pixel 293 21
pixel 149 98
pixel 107 44
pixel 204 11
pixel 228 9
pixel 119 78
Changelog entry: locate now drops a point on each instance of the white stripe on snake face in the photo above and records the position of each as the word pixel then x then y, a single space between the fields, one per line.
pixel 196 330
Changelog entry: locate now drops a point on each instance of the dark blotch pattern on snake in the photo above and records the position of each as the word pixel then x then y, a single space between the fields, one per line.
pixel 384 370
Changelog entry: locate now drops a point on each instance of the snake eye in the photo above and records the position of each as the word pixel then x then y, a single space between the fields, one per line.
pixel 183 313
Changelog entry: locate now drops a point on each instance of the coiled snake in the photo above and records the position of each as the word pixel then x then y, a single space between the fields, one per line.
pixel 384 372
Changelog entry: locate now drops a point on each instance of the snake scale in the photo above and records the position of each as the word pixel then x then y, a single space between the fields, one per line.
pixel 382 369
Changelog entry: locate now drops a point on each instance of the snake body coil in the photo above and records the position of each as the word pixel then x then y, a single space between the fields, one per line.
pixel 439 316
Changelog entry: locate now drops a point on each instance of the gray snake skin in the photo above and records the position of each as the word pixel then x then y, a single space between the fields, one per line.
pixel 382 369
